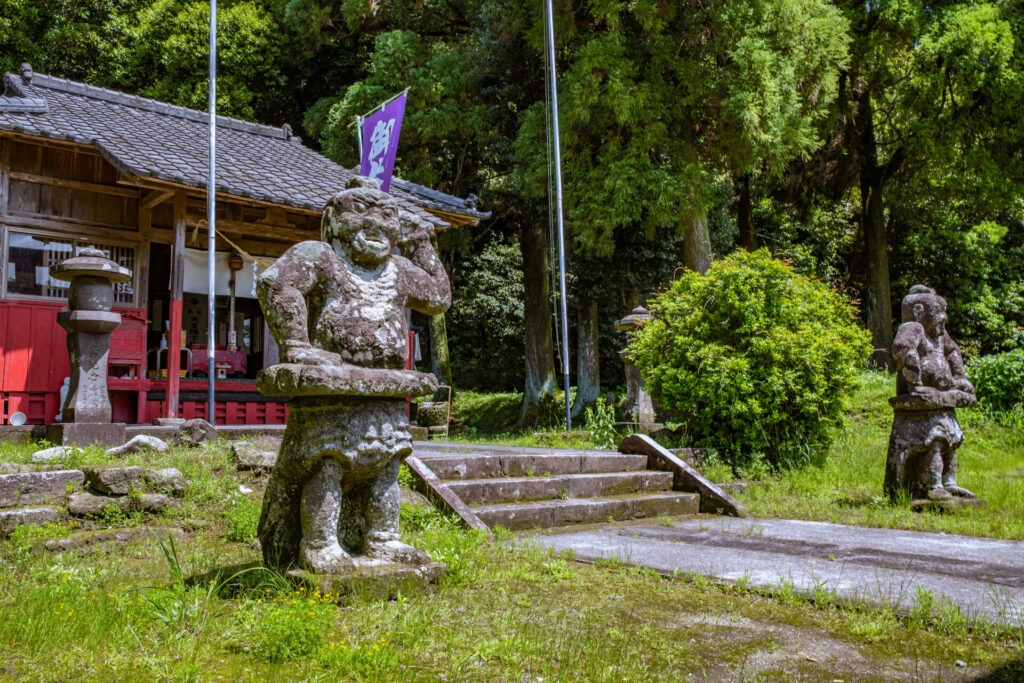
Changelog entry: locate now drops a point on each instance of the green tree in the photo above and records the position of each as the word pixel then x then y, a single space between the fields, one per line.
pixel 930 88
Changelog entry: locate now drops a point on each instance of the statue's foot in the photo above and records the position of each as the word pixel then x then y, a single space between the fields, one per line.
pixel 396 551
pixel 939 493
pixel 324 560
pixel 959 491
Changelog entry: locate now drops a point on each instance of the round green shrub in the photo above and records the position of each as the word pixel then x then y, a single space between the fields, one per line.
pixel 753 359
pixel 999 379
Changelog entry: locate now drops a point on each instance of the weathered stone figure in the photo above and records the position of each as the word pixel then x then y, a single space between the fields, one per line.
pixel 337 311
pixel 930 386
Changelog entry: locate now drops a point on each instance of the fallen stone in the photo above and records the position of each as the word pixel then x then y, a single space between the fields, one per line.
pixel 168 479
pixel 250 455
pixel 117 480
pixel 9 519
pixel 244 490
pixel 84 504
pixel 55 454
pixel 197 431
pixel 14 468
pixel 28 488
pixel 107 540
pixel 139 442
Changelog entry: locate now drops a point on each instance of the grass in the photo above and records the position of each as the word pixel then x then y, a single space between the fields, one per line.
pixel 501 613
pixel 847 488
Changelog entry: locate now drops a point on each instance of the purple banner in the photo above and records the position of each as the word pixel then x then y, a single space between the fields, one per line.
pixel 380 142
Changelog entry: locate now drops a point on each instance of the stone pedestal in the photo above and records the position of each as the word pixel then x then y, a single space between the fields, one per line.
pixel 86 433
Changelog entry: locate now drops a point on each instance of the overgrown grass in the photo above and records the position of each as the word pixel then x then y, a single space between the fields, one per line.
pixel 847 488
pixel 500 613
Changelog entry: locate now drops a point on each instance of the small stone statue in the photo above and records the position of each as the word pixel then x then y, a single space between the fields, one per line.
pixel 930 386
pixel 337 311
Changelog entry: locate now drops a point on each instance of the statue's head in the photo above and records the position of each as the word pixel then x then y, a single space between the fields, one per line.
pixel 923 305
pixel 361 222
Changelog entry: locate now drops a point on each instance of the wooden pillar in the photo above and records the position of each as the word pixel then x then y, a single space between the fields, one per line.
pixel 5 174
pixel 142 294
pixel 174 312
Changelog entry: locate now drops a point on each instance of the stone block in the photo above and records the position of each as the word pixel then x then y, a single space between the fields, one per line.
pixel 154 502
pixel 249 455
pixel 84 504
pixel 168 479
pixel 86 433
pixel 9 519
pixel 28 488
pixel 385 579
pixel 432 414
pixel 116 480
pixel 14 468
pixel 197 431
pixel 418 433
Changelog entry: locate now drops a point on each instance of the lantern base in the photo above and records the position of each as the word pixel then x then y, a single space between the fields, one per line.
pixel 86 434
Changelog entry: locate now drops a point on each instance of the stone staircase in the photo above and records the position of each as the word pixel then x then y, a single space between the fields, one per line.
pixel 525 488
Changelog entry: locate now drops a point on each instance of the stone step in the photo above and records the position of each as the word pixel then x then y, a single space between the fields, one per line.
pixel 29 488
pixel 506 490
pixel 484 466
pixel 552 513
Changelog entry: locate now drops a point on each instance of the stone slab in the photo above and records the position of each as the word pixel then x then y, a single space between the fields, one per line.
pixel 528 463
pixel 15 517
pixel 106 434
pixel 384 579
pixel 439 493
pixel 29 488
pixel 985 577
pixel 489 491
pixel 108 540
pixel 556 513
pixel 167 479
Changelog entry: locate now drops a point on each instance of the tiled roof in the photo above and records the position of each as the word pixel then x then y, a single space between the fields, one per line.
pixel 152 139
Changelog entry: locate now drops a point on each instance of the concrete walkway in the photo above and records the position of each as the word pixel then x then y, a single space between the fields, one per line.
pixel 983 576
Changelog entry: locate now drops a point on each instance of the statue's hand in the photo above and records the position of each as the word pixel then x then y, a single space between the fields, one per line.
pixel 963 384
pixel 306 354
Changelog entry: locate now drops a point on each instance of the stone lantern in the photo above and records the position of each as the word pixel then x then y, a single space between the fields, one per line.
pixel 639 408
pixel 86 414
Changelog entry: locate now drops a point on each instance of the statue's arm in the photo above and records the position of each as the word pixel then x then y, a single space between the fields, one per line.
pixel 282 289
pixel 426 285
pixel 956 364
pixel 904 350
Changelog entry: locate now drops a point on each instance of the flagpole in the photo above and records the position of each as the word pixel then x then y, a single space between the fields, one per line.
pixel 558 213
pixel 211 220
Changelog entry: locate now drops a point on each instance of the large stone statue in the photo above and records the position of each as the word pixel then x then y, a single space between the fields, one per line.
pixel 930 386
pixel 337 311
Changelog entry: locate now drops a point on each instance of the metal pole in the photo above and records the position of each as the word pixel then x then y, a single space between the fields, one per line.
pixel 211 221
pixel 558 213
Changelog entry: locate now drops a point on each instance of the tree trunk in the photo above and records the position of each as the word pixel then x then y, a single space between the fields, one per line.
pixel 539 352
pixel 440 363
pixel 588 374
pixel 697 245
pixel 877 290
pixel 744 213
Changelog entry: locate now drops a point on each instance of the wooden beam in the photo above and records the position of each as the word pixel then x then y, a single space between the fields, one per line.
pixel 154 197
pixel 75 184
pixel 200 193
pixel 50 142
pixel 264 247
pixel 177 292
pixel 279 232
pixel 68 226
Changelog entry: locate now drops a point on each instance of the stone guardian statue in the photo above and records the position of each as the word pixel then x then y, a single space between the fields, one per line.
pixel 930 386
pixel 337 311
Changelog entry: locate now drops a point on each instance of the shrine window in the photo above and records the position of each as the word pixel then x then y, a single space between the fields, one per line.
pixel 28 257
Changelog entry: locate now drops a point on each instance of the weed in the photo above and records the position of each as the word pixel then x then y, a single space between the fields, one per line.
pixel 601 424
pixel 243 517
